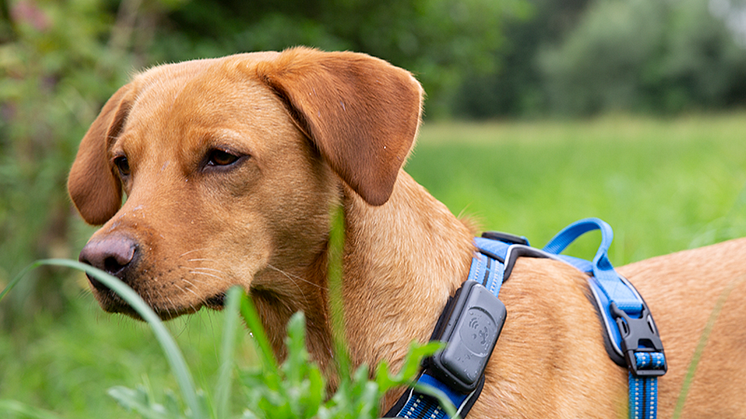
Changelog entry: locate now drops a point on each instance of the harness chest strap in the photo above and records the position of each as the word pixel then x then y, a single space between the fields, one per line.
pixel 472 320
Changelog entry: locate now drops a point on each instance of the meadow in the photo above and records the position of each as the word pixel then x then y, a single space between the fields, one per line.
pixel 663 184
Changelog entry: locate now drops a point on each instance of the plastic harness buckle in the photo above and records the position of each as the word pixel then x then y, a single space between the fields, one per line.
pixel 641 344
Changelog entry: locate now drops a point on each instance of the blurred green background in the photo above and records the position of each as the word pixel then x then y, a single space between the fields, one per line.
pixel 539 113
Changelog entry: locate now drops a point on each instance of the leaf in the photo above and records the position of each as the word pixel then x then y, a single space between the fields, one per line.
pixel 250 316
pixel 296 364
pixel 139 401
pixel 410 366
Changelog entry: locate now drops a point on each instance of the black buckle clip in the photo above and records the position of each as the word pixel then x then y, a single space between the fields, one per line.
pixel 641 344
pixel 469 325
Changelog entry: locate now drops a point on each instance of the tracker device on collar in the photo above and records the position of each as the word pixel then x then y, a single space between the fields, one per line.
pixel 469 326
pixel 472 320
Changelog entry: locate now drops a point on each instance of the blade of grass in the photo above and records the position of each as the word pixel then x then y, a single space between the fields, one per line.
pixel 704 337
pixel 18 278
pixel 336 303
pixel 134 400
pixel 25 411
pixel 171 350
pixel 223 386
pixel 250 316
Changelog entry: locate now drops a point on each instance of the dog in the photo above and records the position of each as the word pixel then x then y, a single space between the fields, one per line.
pixel 230 168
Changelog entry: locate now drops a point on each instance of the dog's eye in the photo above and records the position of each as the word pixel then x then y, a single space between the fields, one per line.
pixel 123 165
pixel 221 158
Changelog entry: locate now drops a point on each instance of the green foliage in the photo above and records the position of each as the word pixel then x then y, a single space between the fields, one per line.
pixel 296 389
pixel 142 401
pixel 16 407
pixel 171 350
pixel 606 54
pixel 585 57
pixel 516 87
pixel 645 56
pixel 438 40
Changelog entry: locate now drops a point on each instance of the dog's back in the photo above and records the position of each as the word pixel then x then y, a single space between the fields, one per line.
pixel 698 298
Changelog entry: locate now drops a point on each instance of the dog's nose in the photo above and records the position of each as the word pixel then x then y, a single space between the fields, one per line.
pixel 113 255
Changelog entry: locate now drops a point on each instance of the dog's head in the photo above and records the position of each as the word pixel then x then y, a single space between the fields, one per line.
pixel 230 167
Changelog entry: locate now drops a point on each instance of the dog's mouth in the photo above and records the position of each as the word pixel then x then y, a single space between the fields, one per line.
pixel 111 302
pixel 216 302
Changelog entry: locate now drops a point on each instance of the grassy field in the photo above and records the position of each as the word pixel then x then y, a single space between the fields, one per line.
pixel 664 185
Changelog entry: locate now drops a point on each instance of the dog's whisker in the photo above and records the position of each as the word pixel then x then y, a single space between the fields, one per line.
pixel 192 251
pixel 189 290
pixel 170 306
pixel 208 269
pixel 188 282
pixel 206 274
pixel 200 260
pixel 295 277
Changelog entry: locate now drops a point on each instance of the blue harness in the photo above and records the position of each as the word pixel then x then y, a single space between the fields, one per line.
pixel 473 318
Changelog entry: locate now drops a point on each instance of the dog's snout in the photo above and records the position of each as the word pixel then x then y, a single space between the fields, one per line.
pixel 113 255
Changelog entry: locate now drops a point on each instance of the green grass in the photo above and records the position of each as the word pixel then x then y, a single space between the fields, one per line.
pixel 67 364
pixel 663 185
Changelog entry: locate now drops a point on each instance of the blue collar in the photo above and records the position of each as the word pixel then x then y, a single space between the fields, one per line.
pixel 631 337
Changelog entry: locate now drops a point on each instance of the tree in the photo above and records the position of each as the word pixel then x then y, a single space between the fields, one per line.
pixel 440 41
pixel 637 55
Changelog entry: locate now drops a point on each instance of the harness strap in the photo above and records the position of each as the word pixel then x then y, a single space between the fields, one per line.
pixel 631 335
pixel 417 405
pixel 635 338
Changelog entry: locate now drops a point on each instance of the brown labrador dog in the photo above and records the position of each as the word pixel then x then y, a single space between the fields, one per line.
pixel 231 166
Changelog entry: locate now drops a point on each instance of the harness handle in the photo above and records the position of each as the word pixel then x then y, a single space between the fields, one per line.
pixel 601 267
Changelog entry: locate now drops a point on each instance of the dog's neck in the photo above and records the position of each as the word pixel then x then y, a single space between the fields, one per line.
pixel 402 261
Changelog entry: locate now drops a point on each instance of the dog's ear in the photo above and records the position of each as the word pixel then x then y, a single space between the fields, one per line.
pixel 361 112
pixel 92 184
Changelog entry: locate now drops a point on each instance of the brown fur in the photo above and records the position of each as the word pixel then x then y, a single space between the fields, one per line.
pixel 319 129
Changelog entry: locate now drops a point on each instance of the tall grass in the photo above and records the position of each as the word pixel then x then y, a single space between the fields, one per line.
pixel 664 185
